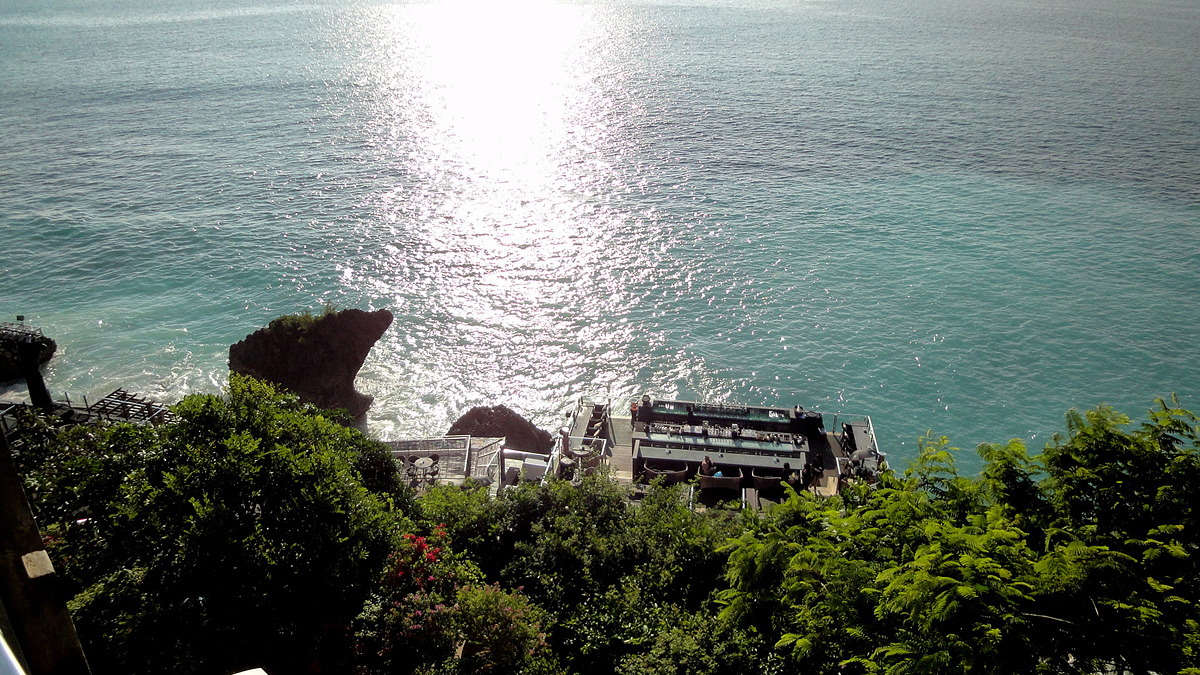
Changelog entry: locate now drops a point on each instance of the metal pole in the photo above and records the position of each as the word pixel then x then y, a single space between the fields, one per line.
pixel 39 395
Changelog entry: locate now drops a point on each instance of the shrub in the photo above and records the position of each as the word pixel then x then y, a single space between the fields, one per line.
pixel 239 535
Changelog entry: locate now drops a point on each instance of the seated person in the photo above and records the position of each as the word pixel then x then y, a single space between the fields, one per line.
pixel 707 468
pixel 790 475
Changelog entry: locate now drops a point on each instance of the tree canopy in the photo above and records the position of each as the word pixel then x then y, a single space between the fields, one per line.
pixel 245 532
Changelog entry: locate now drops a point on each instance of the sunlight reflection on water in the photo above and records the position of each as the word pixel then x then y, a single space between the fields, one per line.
pixel 503 262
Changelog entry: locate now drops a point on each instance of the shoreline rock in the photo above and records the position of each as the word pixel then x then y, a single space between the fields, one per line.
pixel 519 433
pixel 316 358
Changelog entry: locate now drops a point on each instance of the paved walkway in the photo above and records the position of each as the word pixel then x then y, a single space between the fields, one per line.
pixel 622 459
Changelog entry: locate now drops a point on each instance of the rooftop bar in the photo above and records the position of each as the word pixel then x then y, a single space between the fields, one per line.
pixel 759 448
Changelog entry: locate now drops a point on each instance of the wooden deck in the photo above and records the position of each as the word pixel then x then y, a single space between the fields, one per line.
pixel 617 430
pixel 118 406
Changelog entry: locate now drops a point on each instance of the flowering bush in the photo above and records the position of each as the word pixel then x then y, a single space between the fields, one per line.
pixel 431 608
pixel 408 621
pixel 500 629
pixel 421 563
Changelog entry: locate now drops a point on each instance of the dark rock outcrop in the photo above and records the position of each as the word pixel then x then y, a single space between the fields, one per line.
pixel 12 363
pixel 316 358
pixel 519 433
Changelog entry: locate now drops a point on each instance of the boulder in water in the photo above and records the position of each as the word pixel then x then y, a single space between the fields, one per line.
pixel 316 358
pixel 495 421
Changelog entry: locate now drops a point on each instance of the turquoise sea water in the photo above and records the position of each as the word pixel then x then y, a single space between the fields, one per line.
pixel 964 217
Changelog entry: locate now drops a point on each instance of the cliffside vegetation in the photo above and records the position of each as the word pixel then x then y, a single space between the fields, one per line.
pixel 255 532
pixel 301 321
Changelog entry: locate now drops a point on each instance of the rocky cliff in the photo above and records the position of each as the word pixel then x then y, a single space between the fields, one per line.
pixel 519 433
pixel 316 358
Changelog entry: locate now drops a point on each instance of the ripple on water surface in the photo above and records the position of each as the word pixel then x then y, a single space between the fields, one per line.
pixel 965 219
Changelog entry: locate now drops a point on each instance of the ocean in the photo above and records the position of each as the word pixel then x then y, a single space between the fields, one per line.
pixel 962 218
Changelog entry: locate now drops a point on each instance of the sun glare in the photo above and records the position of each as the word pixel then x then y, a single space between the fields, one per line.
pixel 496 122
pixel 498 81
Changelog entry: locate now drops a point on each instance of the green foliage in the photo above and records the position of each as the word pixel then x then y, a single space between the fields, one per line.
pixel 602 565
pixel 301 322
pixel 500 629
pixel 256 524
pixel 956 603
pixel 1122 535
pixel 687 643
pixel 1081 560
pixel 240 535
